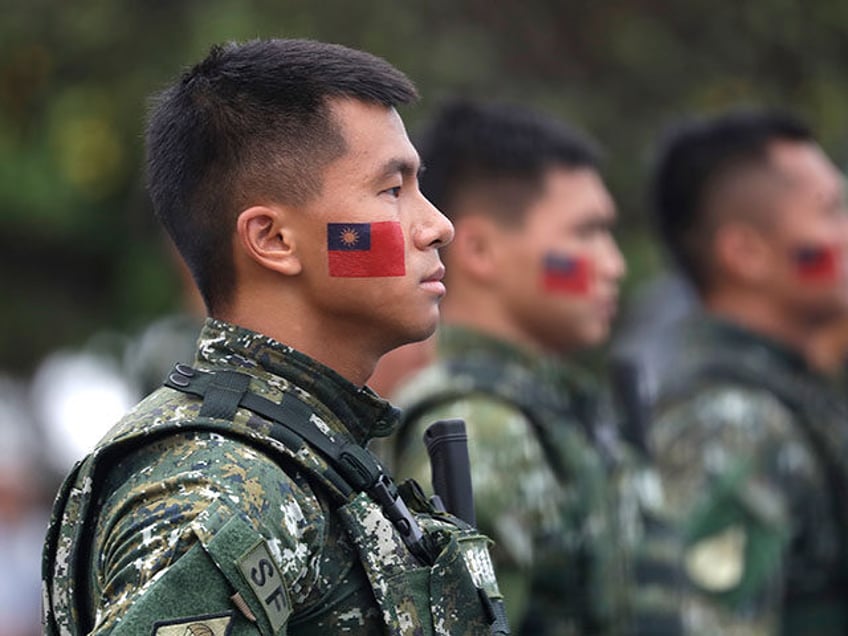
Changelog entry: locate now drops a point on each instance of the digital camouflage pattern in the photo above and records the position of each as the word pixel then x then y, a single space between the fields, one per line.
pixel 752 447
pixel 563 500
pixel 179 523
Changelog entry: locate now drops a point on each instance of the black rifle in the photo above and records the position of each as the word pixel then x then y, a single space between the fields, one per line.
pixel 630 396
pixel 447 446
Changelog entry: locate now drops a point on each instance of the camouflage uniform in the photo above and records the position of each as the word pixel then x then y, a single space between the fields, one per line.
pixel 752 450
pixel 203 517
pixel 546 483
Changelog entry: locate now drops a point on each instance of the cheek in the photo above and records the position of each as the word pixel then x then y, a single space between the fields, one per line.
pixel 565 321
pixel 816 278
pixel 818 265
pixel 515 268
pixel 365 250
pixel 566 274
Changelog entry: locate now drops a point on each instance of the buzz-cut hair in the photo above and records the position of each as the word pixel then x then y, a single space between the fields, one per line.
pixel 697 157
pixel 251 124
pixel 498 152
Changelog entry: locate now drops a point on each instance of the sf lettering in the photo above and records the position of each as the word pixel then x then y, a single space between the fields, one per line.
pixel 264 576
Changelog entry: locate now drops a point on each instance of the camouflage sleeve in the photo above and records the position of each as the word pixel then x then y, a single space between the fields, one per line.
pixel 721 456
pixel 516 494
pixel 208 506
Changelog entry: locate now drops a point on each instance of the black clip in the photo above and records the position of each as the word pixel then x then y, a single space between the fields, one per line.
pixel 395 509
pixel 181 376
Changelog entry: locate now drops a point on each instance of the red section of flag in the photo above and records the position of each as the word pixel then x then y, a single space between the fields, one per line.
pixel 361 250
pixel 567 274
pixel 818 264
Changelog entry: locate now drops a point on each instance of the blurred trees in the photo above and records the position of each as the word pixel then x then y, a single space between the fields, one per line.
pixel 80 249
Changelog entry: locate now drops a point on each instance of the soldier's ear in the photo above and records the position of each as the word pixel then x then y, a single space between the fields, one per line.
pixel 473 250
pixel 266 237
pixel 742 253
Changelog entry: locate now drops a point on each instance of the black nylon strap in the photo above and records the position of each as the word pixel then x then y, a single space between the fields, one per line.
pixel 224 394
pixel 352 468
pixel 295 429
pixel 355 463
pixel 500 624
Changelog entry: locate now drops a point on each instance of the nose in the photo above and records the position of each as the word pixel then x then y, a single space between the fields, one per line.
pixel 614 266
pixel 433 229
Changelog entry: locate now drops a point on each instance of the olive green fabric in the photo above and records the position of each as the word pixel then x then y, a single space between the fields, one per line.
pixel 752 447
pixel 171 496
pixel 577 548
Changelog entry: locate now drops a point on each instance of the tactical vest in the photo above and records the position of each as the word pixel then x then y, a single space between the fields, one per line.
pixel 538 403
pixel 431 567
pixel 580 581
pixel 820 607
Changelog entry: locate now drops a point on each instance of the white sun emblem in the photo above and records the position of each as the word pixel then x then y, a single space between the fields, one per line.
pixel 349 236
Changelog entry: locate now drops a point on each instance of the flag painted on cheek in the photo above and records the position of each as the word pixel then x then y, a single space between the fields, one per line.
pixel 566 274
pixel 819 264
pixel 361 250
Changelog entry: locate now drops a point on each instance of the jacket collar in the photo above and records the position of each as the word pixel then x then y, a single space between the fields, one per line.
pixel 360 412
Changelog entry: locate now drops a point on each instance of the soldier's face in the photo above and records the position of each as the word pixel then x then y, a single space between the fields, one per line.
pixel 384 290
pixel 809 237
pixel 561 269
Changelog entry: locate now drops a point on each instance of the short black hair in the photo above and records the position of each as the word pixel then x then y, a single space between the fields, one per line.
pixel 497 150
pixel 696 156
pixel 250 124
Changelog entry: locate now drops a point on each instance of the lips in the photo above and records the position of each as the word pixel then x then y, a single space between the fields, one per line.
pixel 609 306
pixel 436 276
pixel 433 282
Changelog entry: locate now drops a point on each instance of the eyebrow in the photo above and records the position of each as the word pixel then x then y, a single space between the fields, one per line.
pixel 599 217
pixel 406 167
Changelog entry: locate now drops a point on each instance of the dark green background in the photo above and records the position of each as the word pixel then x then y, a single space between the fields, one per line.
pixel 80 250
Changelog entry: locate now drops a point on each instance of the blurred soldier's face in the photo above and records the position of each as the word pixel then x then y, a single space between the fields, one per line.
pixel 561 268
pixel 809 237
pixel 369 242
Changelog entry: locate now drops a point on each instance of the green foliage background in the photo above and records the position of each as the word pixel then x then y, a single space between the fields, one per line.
pixel 80 249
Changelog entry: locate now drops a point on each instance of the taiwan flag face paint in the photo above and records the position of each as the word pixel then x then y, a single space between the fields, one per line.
pixel 817 264
pixel 567 274
pixel 362 250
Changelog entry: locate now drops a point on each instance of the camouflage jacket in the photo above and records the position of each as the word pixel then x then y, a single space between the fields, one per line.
pixel 203 517
pixel 557 494
pixel 752 447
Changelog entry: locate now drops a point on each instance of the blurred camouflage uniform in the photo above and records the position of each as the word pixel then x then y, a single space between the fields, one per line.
pixel 546 483
pixel 752 449
pixel 202 517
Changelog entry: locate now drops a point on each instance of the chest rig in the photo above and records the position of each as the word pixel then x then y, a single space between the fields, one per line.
pixel 437 572
pixel 582 571
pixel 818 416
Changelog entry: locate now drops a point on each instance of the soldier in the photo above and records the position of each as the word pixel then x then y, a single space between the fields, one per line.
pixel 533 275
pixel 240 499
pixel 751 441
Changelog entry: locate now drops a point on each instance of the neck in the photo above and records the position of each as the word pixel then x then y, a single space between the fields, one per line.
pixel 760 315
pixel 482 312
pixel 333 345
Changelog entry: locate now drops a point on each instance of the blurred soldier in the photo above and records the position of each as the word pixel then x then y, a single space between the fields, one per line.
pixel 533 274
pixel 751 441
pixel 240 498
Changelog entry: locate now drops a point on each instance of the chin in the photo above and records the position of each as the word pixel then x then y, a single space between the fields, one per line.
pixel 413 334
pixel 425 332
pixel 595 337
